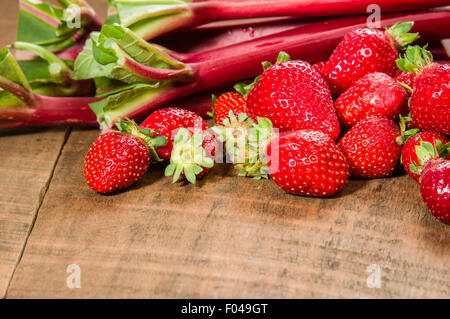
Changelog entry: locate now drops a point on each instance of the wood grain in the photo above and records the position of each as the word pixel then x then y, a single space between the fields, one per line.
pixel 230 237
pixel 26 165
pixel 225 237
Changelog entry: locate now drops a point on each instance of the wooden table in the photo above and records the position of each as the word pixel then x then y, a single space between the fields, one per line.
pixel 225 237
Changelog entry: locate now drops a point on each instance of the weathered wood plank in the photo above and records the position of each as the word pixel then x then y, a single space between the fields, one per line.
pixel 8 21
pixel 230 237
pixel 26 165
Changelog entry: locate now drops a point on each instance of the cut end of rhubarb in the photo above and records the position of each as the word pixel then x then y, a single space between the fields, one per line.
pixel 150 19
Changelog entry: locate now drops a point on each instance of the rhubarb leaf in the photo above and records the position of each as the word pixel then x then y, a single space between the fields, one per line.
pixel 11 77
pixel 10 69
pixel 37 22
pixel 45 68
pixel 117 53
pixel 54 28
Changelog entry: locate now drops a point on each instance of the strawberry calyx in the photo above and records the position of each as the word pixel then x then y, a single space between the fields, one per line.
pixel 233 130
pixel 405 134
pixel 415 59
pixel 212 114
pixel 246 143
pixel 406 87
pixel 426 151
pixel 145 134
pixel 399 33
pixel 244 88
pixel 188 157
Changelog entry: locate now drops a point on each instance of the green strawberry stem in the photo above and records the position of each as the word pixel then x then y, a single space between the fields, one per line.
pixel 188 156
pixel 246 143
pixel 244 89
pixel 151 141
pixel 426 151
pixel 399 33
pixel 405 134
pixel 212 114
pixel 415 59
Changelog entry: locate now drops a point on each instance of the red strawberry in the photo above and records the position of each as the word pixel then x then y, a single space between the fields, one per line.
pixel 435 188
pixel 421 148
pixel 166 121
pixel 407 79
pixel 371 148
pixel 294 96
pixel 319 66
pixel 430 100
pixel 192 155
pixel 365 51
pixel 117 160
pixel 230 101
pixel 307 162
pixel 373 94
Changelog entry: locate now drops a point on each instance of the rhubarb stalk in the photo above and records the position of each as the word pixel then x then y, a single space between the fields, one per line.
pixel 150 18
pixel 19 106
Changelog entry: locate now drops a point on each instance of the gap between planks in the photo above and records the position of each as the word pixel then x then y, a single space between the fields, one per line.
pixel 40 201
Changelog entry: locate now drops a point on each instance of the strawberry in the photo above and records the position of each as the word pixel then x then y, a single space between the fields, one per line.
pixel 166 121
pixel 430 100
pixel 407 80
pixel 192 155
pixel 373 94
pixel 365 51
pixel 307 162
pixel 293 96
pixel 118 159
pixel 371 148
pixel 435 188
pixel 421 148
pixel 319 66
pixel 230 101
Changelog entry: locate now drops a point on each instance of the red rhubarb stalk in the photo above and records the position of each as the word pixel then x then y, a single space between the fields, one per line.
pixel 150 20
pixel 38 110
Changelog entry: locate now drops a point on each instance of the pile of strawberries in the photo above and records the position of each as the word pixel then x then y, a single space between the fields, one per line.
pixel 391 105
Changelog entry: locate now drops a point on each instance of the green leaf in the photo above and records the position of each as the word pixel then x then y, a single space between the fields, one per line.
pixel 415 169
pixel 86 67
pixel 50 26
pixel 170 169
pixel 415 59
pixel 283 57
pixel 189 174
pixel 38 29
pixel 107 53
pixel 188 156
pixel 46 68
pixel 10 69
pixel 399 33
